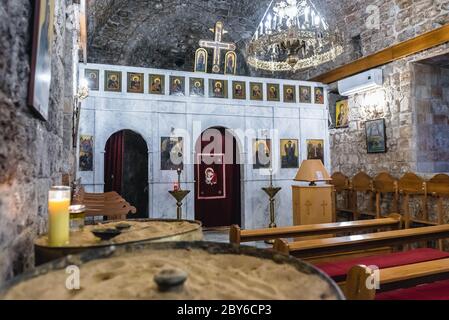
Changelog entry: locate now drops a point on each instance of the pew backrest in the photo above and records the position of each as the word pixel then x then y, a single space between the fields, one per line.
pixel 321 247
pixel 236 235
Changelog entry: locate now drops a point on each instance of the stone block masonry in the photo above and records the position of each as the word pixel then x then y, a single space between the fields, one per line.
pixel 33 153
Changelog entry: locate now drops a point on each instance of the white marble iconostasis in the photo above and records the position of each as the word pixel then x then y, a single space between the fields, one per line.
pixel 155 116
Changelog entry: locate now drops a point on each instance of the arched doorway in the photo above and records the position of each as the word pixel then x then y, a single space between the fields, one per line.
pixel 217 179
pixel 126 169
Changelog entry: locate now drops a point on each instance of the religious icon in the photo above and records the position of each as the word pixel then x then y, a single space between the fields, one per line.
pixel 40 79
pixel 172 153
pixel 289 93
pixel 217 45
pixel 376 140
pixel 273 92
pixel 315 149
pixel 135 82
pixel 305 94
pixel 196 87
pixel 239 90
pixel 211 176
pixel 342 114
pixel 93 79
pixel 201 60
pixel 113 81
pixel 289 153
pixel 218 88
pixel 261 153
pixel 256 91
pixel 230 63
pixel 177 86
pixel 319 95
pixel 86 155
pixel 157 82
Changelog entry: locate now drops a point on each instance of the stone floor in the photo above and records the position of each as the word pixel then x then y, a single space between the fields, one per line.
pixel 222 235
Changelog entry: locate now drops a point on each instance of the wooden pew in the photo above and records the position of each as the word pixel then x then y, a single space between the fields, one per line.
pixel 384 184
pixel 407 276
pixel 363 184
pixel 339 245
pixel 236 235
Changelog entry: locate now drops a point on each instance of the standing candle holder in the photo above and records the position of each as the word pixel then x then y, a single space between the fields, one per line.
pixel 271 191
pixel 179 195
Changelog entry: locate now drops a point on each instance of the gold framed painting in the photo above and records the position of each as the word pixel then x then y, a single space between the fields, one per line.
pixel 289 94
pixel 273 92
pixel 86 154
pixel 196 87
pixel 230 63
pixel 289 153
pixel 305 94
pixel 239 90
pixel 319 95
pixel 218 88
pixel 40 69
pixel 135 82
pixel 201 60
pixel 177 86
pixel 255 91
pixel 112 81
pixel 157 84
pixel 342 114
pixel 315 149
pixel 261 153
pixel 93 79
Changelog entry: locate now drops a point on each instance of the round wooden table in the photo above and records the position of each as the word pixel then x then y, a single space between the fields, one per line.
pixel 140 230
pixel 176 270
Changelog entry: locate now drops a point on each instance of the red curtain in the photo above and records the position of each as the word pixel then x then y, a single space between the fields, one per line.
pixel 113 163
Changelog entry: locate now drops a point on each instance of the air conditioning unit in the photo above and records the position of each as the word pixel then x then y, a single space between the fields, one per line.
pixel 368 80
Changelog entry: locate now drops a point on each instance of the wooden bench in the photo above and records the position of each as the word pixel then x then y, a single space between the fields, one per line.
pixel 432 277
pixel 320 247
pixel 362 184
pixel 342 189
pixel 236 235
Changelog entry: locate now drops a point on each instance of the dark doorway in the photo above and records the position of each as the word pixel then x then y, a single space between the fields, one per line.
pixel 126 169
pixel 217 184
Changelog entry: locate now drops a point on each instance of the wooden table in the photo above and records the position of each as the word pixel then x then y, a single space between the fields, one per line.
pixel 141 230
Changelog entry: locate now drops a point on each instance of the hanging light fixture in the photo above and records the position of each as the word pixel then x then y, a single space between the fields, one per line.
pixel 292 36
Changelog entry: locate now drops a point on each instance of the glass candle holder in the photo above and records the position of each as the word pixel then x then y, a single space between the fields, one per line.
pixel 58 215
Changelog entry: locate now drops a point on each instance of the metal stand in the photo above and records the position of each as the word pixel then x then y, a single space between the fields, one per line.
pixel 271 192
pixel 179 195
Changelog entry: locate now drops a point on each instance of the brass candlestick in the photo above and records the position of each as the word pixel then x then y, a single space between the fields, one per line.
pixel 271 191
pixel 179 195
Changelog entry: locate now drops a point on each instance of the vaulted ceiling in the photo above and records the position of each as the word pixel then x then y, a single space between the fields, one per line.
pixel 165 33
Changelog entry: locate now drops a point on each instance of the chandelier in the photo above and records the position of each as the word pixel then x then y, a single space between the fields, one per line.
pixel 292 36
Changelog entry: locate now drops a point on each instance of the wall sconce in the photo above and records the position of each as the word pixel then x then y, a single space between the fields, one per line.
pixel 83 90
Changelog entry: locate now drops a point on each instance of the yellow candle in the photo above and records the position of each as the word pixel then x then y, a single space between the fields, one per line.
pixel 58 216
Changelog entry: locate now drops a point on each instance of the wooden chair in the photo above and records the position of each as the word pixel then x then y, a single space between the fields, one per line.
pixel 237 236
pixel 408 276
pixel 342 189
pixel 384 184
pixel 438 188
pixel 362 183
pixel 410 186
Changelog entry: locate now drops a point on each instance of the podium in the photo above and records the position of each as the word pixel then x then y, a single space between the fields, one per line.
pixel 313 204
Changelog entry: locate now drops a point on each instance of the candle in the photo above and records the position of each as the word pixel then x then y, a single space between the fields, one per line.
pixel 58 216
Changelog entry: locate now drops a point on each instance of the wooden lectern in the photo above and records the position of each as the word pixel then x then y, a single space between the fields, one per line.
pixel 313 203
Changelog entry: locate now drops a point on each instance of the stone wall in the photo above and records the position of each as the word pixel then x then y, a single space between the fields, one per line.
pixel 33 153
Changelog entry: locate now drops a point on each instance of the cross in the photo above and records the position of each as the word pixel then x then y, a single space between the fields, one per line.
pixel 324 205
pixel 308 204
pixel 217 45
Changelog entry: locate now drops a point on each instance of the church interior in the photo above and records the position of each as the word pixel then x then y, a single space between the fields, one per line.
pixel 224 150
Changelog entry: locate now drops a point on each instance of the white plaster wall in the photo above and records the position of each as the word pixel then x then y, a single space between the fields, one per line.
pixel 154 116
